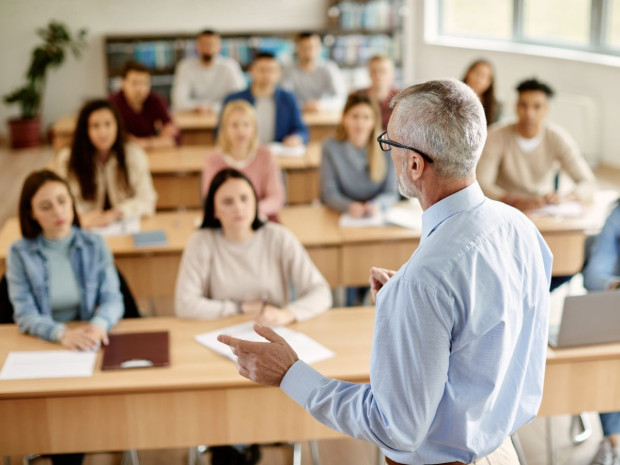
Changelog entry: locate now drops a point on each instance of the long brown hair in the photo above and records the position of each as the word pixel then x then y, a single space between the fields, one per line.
pixel 82 163
pixel 29 226
pixel 377 165
pixel 488 100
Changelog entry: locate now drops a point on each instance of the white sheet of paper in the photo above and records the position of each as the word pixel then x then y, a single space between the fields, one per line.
pixel 566 209
pixel 405 217
pixel 347 221
pixel 281 150
pixel 48 364
pixel 120 228
pixel 307 349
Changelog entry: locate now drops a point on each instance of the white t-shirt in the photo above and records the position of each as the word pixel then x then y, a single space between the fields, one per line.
pixel 196 85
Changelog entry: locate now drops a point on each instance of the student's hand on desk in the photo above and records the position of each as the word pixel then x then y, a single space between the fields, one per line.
pixel 80 338
pixel 378 277
pixel 357 210
pixel 273 316
pixel 98 218
pixel 262 362
pixel 97 333
pixel 203 109
pixel 293 140
pixel 311 106
pixel 371 209
pixel 524 203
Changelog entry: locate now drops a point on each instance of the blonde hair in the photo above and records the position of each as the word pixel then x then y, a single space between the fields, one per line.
pixel 377 165
pixel 244 107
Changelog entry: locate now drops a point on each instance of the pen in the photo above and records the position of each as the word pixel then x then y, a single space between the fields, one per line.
pixel 263 304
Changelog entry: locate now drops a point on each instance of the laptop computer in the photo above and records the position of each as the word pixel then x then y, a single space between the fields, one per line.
pixel 592 318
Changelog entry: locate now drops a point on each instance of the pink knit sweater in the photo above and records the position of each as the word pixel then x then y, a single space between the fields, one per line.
pixel 262 170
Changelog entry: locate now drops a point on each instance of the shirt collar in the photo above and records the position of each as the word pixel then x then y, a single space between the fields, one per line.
pixel 77 241
pixel 460 201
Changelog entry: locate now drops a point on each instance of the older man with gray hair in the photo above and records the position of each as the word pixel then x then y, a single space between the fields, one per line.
pixel 458 355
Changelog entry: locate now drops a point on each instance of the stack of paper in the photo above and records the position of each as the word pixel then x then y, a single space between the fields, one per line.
pixel 307 349
pixel 281 150
pixel 120 228
pixel 48 364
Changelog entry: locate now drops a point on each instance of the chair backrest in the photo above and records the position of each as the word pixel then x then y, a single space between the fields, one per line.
pixel 6 307
pixel 131 308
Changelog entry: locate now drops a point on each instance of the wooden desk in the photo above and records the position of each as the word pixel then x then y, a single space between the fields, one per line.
pixel 343 255
pixel 200 399
pixel 177 175
pixel 199 128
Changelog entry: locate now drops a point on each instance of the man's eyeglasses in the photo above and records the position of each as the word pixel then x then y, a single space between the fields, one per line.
pixel 385 146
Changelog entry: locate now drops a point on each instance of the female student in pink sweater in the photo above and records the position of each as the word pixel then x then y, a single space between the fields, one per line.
pixel 238 148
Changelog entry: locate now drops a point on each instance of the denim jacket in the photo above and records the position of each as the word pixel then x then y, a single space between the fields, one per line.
pixel 28 280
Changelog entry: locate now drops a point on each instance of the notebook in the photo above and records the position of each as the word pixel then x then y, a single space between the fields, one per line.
pixel 588 319
pixel 156 238
pixel 136 350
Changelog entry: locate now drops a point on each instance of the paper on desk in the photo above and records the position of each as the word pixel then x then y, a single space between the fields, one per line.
pixel 119 228
pixel 48 364
pixel 307 349
pixel 281 150
pixel 405 217
pixel 566 209
pixel 348 221
pixel 398 215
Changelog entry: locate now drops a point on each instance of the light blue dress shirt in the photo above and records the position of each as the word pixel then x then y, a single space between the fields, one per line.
pixel 458 355
pixel 603 266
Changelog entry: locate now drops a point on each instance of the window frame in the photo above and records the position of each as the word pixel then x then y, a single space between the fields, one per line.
pixel 597 42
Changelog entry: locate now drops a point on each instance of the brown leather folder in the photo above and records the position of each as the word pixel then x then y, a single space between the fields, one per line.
pixel 136 350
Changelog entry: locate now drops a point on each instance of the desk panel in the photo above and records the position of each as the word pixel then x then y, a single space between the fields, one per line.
pixel 200 399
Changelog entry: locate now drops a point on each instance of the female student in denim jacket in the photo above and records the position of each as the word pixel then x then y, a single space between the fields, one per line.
pixel 58 272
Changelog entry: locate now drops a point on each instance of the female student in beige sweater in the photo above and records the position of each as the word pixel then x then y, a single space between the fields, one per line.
pixel 238 147
pixel 236 264
pixel 110 179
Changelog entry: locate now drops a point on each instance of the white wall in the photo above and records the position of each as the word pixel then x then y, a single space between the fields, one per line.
pixel 599 82
pixel 77 81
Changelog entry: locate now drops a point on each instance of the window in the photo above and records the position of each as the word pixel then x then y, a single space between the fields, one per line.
pixel 613 26
pixel 461 19
pixel 586 25
pixel 557 21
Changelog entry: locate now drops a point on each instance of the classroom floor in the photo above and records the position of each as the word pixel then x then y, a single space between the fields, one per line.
pixel 15 167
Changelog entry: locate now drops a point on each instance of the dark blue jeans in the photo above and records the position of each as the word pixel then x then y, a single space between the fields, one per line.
pixel 611 423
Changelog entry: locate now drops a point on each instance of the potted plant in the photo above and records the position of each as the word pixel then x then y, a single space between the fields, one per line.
pixel 57 42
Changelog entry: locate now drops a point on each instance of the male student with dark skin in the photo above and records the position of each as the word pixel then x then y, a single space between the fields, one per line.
pixel 144 114
pixel 520 160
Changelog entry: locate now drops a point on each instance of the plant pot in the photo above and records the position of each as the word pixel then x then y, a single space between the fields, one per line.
pixel 25 132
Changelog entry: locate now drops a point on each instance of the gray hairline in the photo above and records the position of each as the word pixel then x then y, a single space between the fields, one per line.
pixel 425 137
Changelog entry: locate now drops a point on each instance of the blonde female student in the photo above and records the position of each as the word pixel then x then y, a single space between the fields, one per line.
pixel 238 147
pixel 110 178
pixel 356 176
pixel 236 264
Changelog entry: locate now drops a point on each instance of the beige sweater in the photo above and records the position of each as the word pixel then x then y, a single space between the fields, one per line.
pixel 505 169
pixel 215 274
pixel 138 200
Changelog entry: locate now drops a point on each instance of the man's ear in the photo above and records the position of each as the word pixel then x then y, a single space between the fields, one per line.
pixel 415 165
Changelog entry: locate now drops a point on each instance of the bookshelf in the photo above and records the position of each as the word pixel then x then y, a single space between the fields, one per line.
pixel 354 31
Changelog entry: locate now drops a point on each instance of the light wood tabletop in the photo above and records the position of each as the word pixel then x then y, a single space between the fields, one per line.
pixel 198 128
pixel 343 255
pixel 200 398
